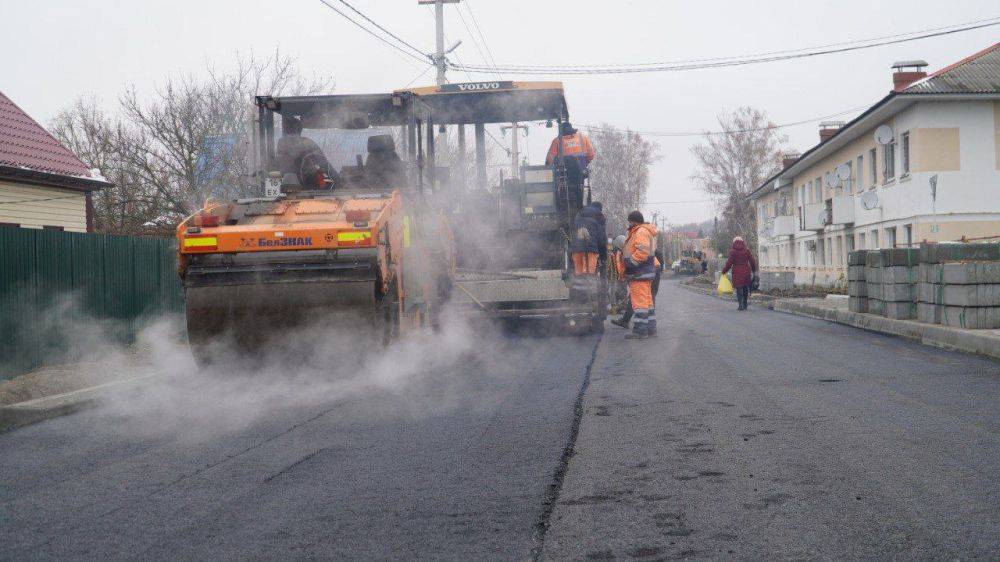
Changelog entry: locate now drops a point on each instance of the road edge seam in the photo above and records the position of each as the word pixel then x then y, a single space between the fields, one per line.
pixel 554 489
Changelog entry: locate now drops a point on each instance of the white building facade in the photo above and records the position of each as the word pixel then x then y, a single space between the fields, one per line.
pixel 922 164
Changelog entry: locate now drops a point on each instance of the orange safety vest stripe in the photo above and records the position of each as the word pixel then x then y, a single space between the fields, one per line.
pixel 577 143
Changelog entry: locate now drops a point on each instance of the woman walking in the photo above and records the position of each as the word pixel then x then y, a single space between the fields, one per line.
pixel 744 266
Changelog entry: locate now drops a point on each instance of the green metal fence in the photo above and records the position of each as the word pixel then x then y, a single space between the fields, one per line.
pixel 55 283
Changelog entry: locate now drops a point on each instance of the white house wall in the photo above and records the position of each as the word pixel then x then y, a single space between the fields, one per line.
pixel 968 187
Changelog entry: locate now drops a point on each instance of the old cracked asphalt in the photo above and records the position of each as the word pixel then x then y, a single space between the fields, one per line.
pixel 733 435
pixel 760 435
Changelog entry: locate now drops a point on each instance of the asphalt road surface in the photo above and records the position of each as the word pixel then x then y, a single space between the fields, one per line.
pixel 761 435
pixel 436 470
pixel 753 435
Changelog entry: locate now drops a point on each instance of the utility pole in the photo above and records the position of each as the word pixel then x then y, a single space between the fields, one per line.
pixel 439 51
pixel 515 163
pixel 439 58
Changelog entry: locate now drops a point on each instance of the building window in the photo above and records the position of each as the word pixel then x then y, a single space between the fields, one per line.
pixel 859 173
pixel 874 241
pixel 889 162
pixel 908 235
pixel 872 172
pixel 890 237
pixel 50 227
pixel 861 241
pixel 904 162
pixel 849 182
pixel 819 190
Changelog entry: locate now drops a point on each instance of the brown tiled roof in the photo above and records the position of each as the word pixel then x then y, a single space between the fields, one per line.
pixel 26 144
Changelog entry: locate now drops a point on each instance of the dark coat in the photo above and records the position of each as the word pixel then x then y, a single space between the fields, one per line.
pixel 602 234
pixel 587 232
pixel 743 264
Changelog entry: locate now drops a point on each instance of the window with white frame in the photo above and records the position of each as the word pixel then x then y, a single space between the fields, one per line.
pixel 889 162
pixel 819 190
pixel 872 172
pixel 904 156
pixel 849 182
pixel 859 173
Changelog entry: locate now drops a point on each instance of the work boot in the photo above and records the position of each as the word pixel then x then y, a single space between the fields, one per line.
pixel 620 322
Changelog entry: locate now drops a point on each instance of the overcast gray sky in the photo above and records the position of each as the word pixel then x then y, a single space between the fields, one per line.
pixel 58 50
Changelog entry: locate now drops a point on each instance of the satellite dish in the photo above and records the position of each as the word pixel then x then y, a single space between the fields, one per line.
pixel 869 200
pixel 843 172
pixel 883 134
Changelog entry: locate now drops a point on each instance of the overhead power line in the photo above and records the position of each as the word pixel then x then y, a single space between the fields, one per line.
pixel 703 133
pixel 676 202
pixel 475 42
pixel 482 36
pixel 699 64
pixel 375 23
pixel 376 35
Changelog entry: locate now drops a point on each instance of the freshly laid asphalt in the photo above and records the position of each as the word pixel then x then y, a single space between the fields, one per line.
pixel 752 435
pixel 437 470
pixel 761 435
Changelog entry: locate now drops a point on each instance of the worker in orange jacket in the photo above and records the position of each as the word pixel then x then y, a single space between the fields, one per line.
pixel 636 263
pixel 577 153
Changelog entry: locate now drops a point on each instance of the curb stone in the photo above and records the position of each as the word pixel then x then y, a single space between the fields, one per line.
pixel 969 341
pixel 33 411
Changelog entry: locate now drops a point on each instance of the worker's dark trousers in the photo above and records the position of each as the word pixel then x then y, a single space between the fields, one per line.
pixel 743 296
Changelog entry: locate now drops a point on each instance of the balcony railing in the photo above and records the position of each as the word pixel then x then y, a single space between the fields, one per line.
pixel 784 226
pixel 815 216
pixel 843 210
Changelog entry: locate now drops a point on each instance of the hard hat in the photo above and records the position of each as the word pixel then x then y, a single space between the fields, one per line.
pixel 619 242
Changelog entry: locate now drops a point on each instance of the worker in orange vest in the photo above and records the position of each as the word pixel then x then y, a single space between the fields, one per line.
pixel 577 153
pixel 637 263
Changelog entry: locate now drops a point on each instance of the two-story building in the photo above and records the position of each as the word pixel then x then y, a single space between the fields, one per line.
pixel 922 164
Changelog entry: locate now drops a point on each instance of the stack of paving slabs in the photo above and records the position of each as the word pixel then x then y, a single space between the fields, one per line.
pixel 857 288
pixel 960 285
pixel 891 281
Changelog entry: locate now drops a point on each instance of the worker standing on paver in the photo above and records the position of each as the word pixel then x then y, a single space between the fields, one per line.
pixel 637 264
pixel 577 154
pixel 585 248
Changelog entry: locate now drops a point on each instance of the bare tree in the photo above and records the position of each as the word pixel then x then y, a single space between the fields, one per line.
pixel 619 175
pixel 187 143
pixel 131 205
pixel 733 164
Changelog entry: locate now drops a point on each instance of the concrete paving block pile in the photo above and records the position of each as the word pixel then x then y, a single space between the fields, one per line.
pixel 890 280
pixel 960 285
pixel 857 288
